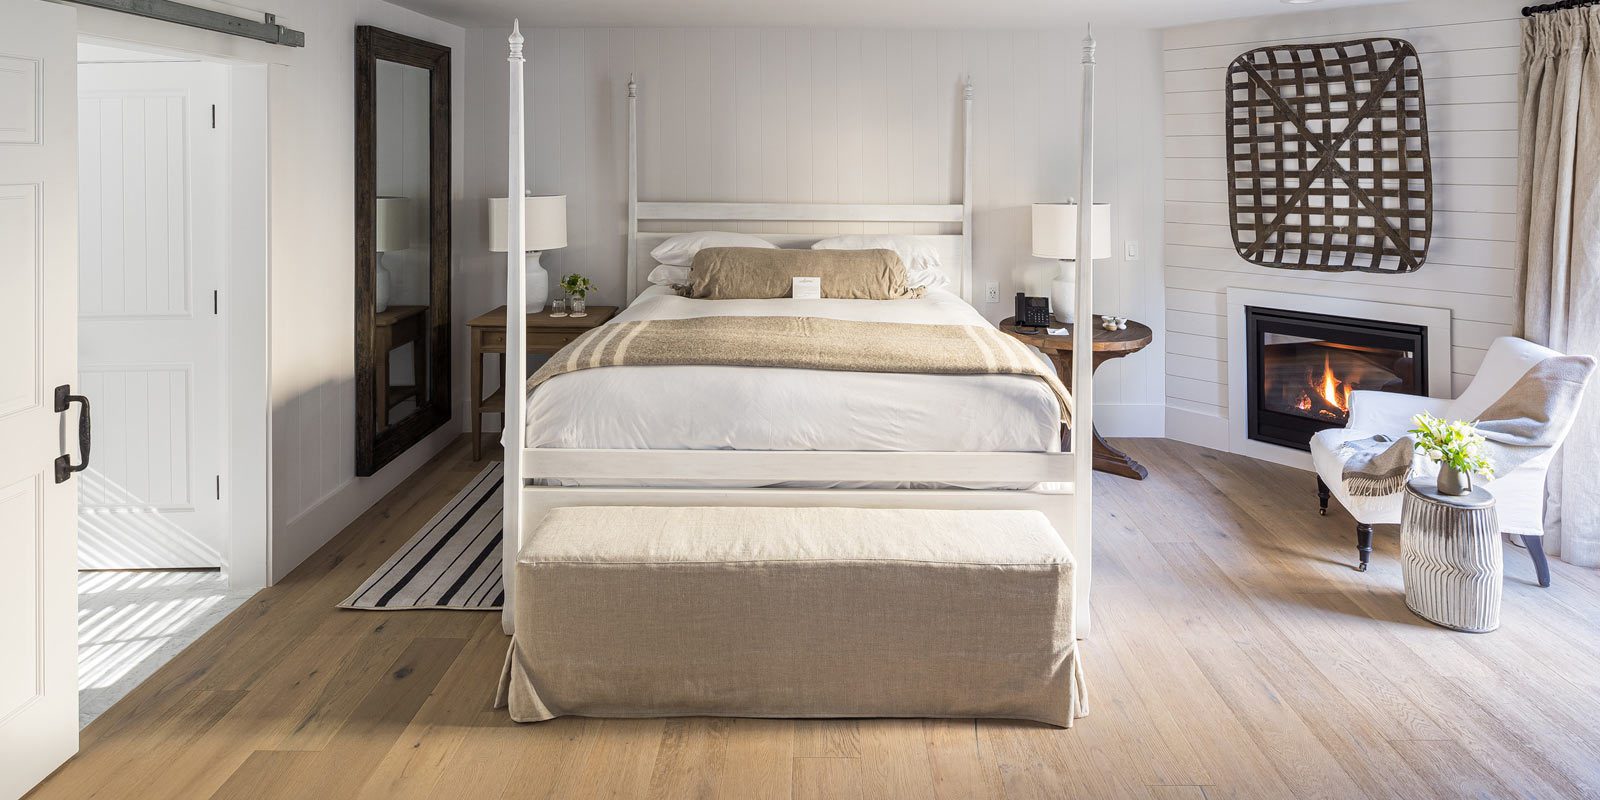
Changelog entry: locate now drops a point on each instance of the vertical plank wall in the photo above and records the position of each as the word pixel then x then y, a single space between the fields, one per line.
pixel 1469 51
pixel 835 116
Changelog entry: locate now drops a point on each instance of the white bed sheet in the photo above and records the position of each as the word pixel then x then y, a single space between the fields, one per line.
pixel 759 408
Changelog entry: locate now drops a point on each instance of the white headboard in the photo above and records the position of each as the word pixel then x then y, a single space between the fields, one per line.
pixel 953 220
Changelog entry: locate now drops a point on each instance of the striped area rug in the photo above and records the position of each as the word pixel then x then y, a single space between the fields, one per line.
pixel 453 562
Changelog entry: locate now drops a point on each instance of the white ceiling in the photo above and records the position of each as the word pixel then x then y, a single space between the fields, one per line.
pixel 854 13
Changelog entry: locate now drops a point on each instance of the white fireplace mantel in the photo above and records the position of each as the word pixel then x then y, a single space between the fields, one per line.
pixel 1436 320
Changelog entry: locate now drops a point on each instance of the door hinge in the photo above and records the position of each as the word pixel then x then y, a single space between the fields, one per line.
pixel 213 302
pixel 213 116
pixel 219 487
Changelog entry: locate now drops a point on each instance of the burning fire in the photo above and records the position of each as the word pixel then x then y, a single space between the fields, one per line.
pixel 1333 393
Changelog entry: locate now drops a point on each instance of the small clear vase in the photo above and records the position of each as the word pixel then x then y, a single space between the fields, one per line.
pixel 578 306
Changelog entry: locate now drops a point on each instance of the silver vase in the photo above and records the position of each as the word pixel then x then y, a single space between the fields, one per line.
pixel 1453 481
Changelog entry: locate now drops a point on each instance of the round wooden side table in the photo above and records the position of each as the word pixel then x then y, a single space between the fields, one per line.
pixel 1450 557
pixel 1107 345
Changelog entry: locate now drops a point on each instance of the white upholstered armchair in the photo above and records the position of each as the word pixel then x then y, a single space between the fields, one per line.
pixel 1519 494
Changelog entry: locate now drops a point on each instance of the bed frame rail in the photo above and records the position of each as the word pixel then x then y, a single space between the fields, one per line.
pixel 802 465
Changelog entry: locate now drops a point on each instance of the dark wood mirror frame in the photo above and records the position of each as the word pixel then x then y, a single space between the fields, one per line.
pixel 374 447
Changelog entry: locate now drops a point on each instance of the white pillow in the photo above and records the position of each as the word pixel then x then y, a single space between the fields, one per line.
pixel 920 257
pixel 679 250
pixel 668 275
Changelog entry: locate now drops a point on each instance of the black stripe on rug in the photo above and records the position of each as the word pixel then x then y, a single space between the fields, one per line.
pixel 453 562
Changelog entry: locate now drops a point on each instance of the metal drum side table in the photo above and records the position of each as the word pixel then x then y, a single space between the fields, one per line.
pixel 1450 557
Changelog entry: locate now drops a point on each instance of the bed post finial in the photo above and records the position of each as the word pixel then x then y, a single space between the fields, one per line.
pixel 516 40
pixel 633 87
pixel 1089 45
pixel 966 93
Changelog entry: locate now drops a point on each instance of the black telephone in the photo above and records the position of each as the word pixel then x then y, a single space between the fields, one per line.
pixel 1033 311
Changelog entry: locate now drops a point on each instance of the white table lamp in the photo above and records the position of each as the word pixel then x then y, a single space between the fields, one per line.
pixel 393 232
pixel 546 217
pixel 1055 235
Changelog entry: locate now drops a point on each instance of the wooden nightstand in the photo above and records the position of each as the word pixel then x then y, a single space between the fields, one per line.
pixel 546 335
pixel 1107 345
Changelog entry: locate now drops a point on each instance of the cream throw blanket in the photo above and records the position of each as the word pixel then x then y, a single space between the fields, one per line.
pixel 804 343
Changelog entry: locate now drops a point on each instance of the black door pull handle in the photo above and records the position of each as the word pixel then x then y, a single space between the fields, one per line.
pixel 64 400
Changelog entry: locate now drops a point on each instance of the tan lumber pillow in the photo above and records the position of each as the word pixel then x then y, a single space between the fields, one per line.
pixel 749 273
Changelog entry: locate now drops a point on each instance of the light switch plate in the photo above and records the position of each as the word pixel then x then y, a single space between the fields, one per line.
pixel 1132 250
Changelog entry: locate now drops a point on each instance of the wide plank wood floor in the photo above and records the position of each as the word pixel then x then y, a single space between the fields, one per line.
pixel 1235 654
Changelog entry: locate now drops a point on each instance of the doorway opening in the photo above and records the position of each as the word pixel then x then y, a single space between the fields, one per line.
pixel 172 353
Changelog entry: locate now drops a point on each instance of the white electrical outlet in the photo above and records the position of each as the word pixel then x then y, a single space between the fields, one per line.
pixel 991 291
pixel 1132 250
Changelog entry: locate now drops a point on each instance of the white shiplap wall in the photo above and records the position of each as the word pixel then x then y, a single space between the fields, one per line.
pixel 1469 51
pixel 846 116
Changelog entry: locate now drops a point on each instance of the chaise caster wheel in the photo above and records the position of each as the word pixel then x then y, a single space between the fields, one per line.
pixel 1322 512
pixel 1361 568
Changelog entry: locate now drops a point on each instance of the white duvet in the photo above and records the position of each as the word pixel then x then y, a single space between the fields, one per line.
pixel 758 408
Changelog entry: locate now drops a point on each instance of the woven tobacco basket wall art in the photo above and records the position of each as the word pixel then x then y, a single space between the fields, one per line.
pixel 1328 164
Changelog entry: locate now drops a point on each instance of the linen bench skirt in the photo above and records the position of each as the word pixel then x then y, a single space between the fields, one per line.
pixel 793 612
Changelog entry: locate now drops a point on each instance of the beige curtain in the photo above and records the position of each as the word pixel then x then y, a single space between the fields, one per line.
pixel 1558 257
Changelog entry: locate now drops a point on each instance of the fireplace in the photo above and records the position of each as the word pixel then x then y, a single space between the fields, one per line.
pixel 1302 368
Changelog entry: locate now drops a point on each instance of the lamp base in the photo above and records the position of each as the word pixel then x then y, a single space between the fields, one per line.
pixel 535 283
pixel 380 287
pixel 1064 299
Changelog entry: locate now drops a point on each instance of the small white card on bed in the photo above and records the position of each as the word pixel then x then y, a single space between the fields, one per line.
pixel 807 289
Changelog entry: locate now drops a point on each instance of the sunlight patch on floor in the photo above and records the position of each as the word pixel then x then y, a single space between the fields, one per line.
pixel 132 622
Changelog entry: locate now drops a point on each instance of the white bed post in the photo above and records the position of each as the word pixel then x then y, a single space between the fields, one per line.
pixel 633 188
pixel 1083 328
pixel 967 289
pixel 516 324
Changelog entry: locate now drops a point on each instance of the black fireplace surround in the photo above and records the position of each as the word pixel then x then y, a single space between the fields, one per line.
pixel 1303 367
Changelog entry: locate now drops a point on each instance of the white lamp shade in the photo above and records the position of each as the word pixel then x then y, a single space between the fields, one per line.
pixel 1055 230
pixel 546 217
pixel 394 224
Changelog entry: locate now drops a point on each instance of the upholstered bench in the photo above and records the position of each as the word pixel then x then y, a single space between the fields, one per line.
pixel 793 612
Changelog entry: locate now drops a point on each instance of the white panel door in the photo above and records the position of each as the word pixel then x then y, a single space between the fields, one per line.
pixel 151 226
pixel 38 352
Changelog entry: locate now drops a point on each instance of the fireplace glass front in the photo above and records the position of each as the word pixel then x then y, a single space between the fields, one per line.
pixel 1303 368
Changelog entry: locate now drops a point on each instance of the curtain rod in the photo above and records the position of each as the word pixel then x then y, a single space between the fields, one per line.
pixel 1563 5
pixel 267 30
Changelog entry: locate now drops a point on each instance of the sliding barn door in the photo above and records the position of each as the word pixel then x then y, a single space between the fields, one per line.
pixel 38 353
pixel 152 217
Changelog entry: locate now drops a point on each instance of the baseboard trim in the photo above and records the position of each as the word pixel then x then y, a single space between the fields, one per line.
pixel 1131 420
pixel 314 527
pixel 1205 430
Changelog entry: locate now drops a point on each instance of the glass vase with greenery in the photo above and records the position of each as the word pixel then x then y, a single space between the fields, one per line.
pixel 577 288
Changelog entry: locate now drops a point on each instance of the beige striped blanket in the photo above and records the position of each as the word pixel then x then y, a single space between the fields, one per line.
pixel 804 343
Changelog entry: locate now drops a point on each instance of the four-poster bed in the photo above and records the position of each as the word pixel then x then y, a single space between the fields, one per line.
pixel 541 478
